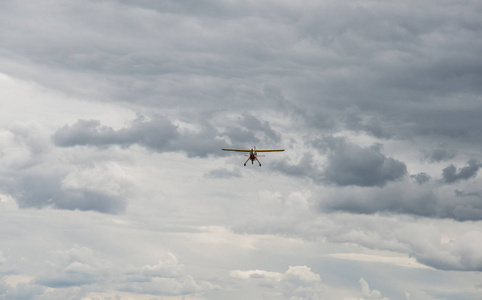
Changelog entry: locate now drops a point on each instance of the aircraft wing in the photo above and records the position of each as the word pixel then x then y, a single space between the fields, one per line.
pixel 269 150
pixel 238 150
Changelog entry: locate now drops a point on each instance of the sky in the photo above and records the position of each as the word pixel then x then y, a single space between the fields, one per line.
pixel 113 184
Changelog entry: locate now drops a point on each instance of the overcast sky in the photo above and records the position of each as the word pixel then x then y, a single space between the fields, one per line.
pixel 113 184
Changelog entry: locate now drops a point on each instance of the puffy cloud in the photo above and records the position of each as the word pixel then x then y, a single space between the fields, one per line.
pixel 428 200
pixel 167 277
pixel 429 247
pixel 154 134
pixel 168 267
pixel 305 167
pixel 162 286
pixel 420 178
pixel 252 123
pixel 35 177
pixel 81 267
pixel 21 290
pixel 438 155
pixel 57 189
pixel 301 274
pixel 349 164
pixel 450 174
pixel 75 267
pixel 439 244
pixel 256 274
pixel 298 282
pixel 161 135
pixel 367 292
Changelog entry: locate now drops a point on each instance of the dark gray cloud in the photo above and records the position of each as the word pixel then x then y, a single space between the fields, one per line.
pixel 45 189
pixel 250 131
pixel 161 135
pixel 407 198
pixel 153 134
pixel 441 154
pixel 241 136
pixel 306 167
pixel 405 76
pixel 349 164
pixel 254 124
pixel 157 134
pixel 346 72
pixel 450 174
pixel 420 178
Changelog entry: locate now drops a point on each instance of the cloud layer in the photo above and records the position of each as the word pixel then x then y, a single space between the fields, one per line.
pixel 116 111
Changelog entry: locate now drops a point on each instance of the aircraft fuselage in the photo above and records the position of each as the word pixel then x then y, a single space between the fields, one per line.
pixel 253 155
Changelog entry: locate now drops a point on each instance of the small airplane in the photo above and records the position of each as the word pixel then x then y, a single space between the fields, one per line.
pixel 253 153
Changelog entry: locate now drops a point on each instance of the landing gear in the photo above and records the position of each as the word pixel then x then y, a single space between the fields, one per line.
pixel 252 161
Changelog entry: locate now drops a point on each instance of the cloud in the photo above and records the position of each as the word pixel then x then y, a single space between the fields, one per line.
pixel 34 176
pixel 212 74
pixel 256 274
pixel 254 124
pixel 75 267
pixel 21 290
pixel 83 267
pixel 429 248
pixel 167 277
pixel 298 282
pixel 161 135
pixel 450 174
pixel 401 261
pixel 439 244
pixel 168 267
pixel 154 134
pixel 420 178
pixel 438 155
pixel 223 173
pixel 349 164
pixel 305 167
pixel 40 188
pixel 426 200
pixel 367 292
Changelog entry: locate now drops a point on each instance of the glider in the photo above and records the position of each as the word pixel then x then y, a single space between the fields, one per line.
pixel 253 153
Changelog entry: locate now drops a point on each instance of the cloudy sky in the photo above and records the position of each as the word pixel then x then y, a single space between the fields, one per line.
pixel 113 184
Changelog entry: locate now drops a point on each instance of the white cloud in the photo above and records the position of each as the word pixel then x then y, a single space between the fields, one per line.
pixel 298 282
pixel 367 292
pixel 401 261
pixel 108 178
pixel 256 274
